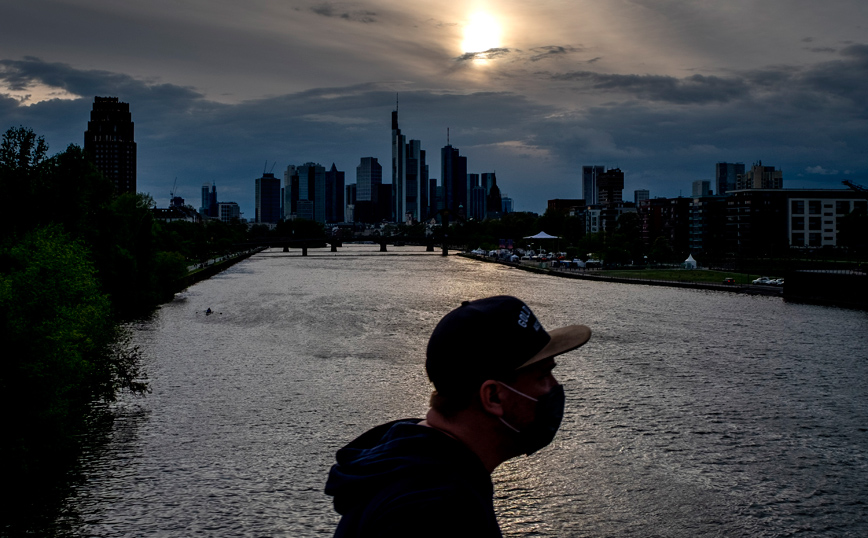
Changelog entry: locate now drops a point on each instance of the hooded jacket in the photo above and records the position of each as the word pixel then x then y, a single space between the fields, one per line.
pixel 402 479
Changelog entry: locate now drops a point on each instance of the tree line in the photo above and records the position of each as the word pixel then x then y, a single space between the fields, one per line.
pixel 77 263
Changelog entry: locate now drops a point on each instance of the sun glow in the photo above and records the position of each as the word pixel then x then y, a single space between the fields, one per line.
pixel 481 33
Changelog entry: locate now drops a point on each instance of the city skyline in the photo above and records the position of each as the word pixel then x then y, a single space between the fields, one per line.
pixel 662 90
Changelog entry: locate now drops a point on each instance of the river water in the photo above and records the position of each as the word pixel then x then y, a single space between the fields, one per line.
pixel 689 413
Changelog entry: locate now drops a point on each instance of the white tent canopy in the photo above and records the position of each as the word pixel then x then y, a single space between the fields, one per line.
pixel 689 263
pixel 542 235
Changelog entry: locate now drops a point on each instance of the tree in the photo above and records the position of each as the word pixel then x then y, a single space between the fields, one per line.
pixel 63 348
pixel 22 171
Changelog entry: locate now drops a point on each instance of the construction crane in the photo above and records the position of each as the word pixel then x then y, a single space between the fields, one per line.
pixel 855 187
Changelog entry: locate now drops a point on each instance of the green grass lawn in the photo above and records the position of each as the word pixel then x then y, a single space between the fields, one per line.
pixel 684 275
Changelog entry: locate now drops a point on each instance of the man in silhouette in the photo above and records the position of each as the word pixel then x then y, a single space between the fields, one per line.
pixel 495 398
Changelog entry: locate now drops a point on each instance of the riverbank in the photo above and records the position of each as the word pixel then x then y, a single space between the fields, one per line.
pixel 206 270
pixel 596 274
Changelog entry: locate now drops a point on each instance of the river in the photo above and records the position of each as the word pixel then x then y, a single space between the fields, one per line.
pixel 689 413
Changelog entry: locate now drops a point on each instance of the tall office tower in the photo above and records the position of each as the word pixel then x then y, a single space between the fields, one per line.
pixel 453 173
pixel 589 183
pixel 268 199
pixel 369 174
pixel 610 187
pixel 701 188
pixel 506 205
pixel 725 176
pixel 486 180
pixel 761 177
pixel 205 208
pixel 311 192
pixel 290 192
pixel 351 191
pixel 409 177
pixel 435 199
pixel 639 195
pixel 495 202
pixel 334 195
pixel 109 141
pixel 478 203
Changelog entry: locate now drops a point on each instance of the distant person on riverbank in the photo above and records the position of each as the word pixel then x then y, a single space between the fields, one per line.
pixel 495 398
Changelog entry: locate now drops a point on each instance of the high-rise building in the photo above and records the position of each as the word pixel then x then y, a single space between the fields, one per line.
pixel 701 187
pixel 311 191
pixel 725 176
pixel 369 174
pixel 290 192
pixel 453 173
pixel 639 195
pixel 110 142
pixel 267 199
pixel 334 195
pixel 760 177
pixel 226 211
pixel 610 187
pixel 209 201
pixel 506 205
pixel 589 183
pixel 409 177
pixel 495 202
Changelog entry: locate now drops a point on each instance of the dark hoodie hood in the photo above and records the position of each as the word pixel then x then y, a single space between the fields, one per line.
pixel 406 456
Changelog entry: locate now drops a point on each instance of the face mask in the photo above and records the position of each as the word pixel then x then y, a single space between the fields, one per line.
pixel 547 419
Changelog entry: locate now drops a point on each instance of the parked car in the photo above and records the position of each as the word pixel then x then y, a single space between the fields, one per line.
pixel 729 280
pixel 762 280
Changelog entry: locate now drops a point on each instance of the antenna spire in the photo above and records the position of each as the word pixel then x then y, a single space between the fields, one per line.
pixel 447 136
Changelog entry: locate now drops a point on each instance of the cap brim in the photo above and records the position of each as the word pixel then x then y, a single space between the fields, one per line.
pixel 564 339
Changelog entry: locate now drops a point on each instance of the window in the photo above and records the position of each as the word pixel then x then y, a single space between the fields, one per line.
pixel 798 207
pixel 799 240
pixel 814 223
pixel 814 239
pixel 814 207
pixel 798 223
pixel 842 207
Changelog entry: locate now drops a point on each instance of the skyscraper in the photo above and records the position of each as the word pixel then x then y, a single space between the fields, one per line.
pixel 610 187
pixel 311 192
pixel 589 183
pixel 267 199
pixel 409 177
pixel 725 176
pixel 453 173
pixel 701 188
pixel 334 195
pixel 369 174
pixel 110 142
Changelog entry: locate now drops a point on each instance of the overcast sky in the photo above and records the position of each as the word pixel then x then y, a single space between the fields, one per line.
pixel 662 89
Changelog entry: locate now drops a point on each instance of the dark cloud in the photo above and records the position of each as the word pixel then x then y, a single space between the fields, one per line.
pixel 329 10
pixel 663 131
pixel 553 51
pixel 821 49
pixel 695 89
pixel 490 54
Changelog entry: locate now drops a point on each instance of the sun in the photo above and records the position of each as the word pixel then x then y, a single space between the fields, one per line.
pixel 481 33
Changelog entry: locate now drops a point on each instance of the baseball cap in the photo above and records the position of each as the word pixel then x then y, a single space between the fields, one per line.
pixel 490 338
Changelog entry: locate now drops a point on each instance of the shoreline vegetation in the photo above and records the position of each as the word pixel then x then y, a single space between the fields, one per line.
pixel 75 272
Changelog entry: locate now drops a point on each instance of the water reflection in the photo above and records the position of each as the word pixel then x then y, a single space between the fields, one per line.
pixel 689 413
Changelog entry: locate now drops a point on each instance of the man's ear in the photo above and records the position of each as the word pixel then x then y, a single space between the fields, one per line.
pixel 489 396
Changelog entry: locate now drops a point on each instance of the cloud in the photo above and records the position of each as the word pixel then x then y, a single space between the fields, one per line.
pixel 689 90
pixel 819 170
pixel 329 10
pixel 553 51
pixel 490 54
